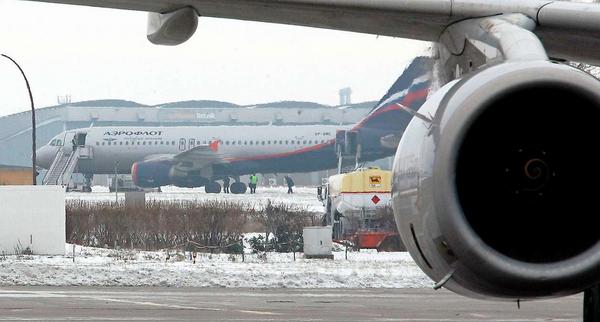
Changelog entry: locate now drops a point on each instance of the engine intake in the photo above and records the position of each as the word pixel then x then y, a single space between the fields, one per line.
pixel 499 189
pixel 525 173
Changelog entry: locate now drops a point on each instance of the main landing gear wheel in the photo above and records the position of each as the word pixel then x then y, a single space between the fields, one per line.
pixel 212 187
pixel 238 188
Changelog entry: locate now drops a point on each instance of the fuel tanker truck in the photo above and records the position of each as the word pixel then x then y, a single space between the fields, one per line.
pixel 358 208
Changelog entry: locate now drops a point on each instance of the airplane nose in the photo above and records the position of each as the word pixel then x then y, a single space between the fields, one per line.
pixel 43 157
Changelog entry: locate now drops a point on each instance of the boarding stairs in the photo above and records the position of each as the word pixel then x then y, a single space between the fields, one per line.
pixel 348 150
pixel 346 163
pixel 62 168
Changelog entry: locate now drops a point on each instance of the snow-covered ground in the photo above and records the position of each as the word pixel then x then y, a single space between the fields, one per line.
pixel 304 197
pixel 104 267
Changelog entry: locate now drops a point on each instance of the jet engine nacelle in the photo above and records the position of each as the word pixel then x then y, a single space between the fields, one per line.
pixel 495 195
pixel 172 28
pixel 156 173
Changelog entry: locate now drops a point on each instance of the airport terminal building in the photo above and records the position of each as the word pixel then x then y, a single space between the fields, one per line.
pixel 15 130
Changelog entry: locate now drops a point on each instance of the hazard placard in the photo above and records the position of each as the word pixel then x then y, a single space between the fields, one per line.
pixel 375 199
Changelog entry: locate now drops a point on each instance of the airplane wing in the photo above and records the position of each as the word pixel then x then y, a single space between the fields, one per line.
pixel 200 156
pixel 196 158
pixel 568 30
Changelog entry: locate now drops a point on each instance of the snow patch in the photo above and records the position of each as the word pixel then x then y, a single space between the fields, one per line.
pixel 105 267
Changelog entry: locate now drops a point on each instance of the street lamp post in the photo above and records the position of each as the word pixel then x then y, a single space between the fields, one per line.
pixel 33 156
pixel 116 183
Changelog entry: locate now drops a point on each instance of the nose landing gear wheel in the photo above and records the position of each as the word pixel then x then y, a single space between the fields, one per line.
pixel 238 188
pixel 212 187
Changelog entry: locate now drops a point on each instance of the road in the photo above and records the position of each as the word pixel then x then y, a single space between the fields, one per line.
pixel 227 304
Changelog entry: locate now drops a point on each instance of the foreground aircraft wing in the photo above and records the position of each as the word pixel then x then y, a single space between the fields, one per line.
pixel 568 30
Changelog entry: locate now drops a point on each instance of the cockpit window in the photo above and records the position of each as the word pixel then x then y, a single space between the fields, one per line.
pixel 59 142
pixel 53 142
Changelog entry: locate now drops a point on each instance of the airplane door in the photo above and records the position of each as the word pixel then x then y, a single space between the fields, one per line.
pixel 182 143
pixel 68 142
pixel 81 138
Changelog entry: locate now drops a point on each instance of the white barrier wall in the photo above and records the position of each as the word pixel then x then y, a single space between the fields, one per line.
pixel 317 240
pixel 34 217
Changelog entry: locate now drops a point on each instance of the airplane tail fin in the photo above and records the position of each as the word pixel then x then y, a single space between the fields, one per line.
pixel 410 90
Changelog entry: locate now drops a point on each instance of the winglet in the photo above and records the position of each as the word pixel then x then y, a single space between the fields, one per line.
pixel 214 145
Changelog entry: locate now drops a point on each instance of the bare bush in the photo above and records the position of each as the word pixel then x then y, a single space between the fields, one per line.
pixel 283 225
pixel 190 225
pixel 157 225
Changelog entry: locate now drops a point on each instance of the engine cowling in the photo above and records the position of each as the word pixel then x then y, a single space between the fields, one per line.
pixel 496 194
pixel 156 173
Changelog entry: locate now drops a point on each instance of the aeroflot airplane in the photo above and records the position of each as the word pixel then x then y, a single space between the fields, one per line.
pixel 195 156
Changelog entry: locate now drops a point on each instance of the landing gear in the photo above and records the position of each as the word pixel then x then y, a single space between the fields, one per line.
pixel 591 304
pixel 238 188
pixel 212 187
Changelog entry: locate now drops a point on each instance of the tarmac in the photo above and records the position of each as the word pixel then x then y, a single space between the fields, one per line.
pixel 229 304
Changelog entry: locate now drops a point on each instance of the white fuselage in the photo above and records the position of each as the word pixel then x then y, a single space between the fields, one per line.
pixel 126 145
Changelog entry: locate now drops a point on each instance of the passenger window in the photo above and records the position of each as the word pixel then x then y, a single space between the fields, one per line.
pixel 126 142
pixel 240 142
pixel 226 142
pixel 102 142
pixel 269 142
pixel 192 143
pixel 139 143
pixel 263 142
pixel 97 143
pixel 121 143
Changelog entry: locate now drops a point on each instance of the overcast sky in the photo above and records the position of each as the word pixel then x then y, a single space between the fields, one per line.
pixel 93 53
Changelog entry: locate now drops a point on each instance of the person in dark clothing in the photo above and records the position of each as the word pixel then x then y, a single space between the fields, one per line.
pixel 290 183
pixel 226 185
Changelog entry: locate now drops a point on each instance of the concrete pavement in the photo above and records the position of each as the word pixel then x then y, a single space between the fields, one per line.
pixel 227 304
